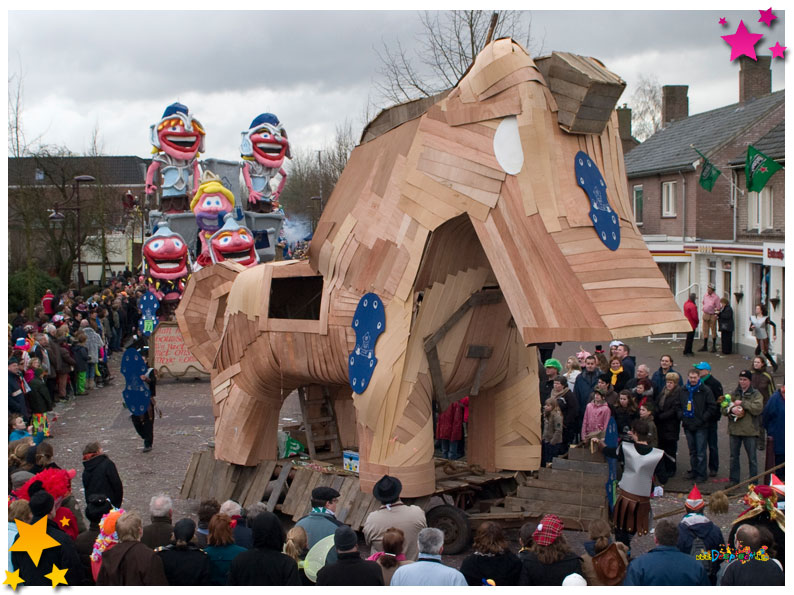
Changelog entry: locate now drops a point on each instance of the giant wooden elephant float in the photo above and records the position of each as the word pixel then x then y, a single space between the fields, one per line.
pixel 465 215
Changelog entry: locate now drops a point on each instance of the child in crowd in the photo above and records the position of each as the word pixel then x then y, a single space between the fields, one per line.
pixel 552 443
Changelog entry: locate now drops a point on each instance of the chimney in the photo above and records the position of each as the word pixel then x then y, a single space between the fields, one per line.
pixel 755 78
pixel 675 103
pixel 624 122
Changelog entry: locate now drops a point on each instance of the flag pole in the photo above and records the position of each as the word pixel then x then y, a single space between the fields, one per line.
pixel 730 181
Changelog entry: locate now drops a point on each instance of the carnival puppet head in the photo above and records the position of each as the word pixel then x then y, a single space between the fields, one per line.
pixel 265 141
pixel 211 203
pixel 233 242
pixel 165 255
pixel 178 133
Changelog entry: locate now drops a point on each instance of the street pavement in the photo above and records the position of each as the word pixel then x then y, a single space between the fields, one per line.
pixel 187 426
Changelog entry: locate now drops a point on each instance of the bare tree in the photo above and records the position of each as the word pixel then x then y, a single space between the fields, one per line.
pixel 646 107
pixel 446 47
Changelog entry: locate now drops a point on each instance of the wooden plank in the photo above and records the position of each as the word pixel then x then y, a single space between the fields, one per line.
pixel 279 486
pixel 350 487
pixel 562 476
pixel 542 507
pixel 601 469
pixel 259 483
pixel 296 489
pixel 580 496
pixel 304 502
pixel 190 475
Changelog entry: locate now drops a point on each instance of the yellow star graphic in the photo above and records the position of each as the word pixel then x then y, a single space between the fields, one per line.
pixel 65 522
pixel 33 539
pixel 57 576
pixel 13 579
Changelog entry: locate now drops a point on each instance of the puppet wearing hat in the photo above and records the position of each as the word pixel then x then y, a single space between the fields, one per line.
pixel 166 263
pixel 211 203
pixel 264 147
pixel 177 138
pixel 233 242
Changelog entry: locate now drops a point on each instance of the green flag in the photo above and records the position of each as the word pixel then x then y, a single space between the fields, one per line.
pixel 758 168
pixel 708 174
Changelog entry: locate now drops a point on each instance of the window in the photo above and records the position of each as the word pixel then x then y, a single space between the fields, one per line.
pixel 711 269
pixel 39 175
pixel 638 205
pixel 668 199
pixel 296 298
pixel 759 210
pixel 727 281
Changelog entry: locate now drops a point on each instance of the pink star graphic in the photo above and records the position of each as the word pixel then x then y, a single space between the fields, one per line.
pixel 742 42
pixel 777 50
pixel 723 22
pixel 767 17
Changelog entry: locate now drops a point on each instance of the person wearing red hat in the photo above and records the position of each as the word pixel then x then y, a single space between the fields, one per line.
pixel 549 559
pixel 696 533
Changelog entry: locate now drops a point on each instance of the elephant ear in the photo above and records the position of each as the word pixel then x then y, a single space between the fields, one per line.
pixel 201 310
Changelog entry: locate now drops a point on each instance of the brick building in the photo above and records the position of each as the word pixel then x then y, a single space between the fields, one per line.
pixel 699 237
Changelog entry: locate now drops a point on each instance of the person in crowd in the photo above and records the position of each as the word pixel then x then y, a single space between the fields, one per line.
pixel 321 521
pixel 726 326
pixel 627 362
pixel 691 314
pixel 569 407
pixel 392 556
pixel 665 565
pixel 393 513
pixel 642 391
pixel 572 371
pixel 752 572
pixel 296 547
pixel 43 505
pixel 585 385
pixel 243 534
pixel 449 431
pixel 552 444
pixel 97 506
pixel 642 372
pixel 265 564
pixel 40 402
pixel 129 562
pixel 50 345
pixel 604 386
pixel 47 302
pixel 711 305
pixel 18 510
pixel 349 569
pixel 697 534
pixel 184 563
pixel 158 532
pixel 646 413
pixel 618 376
pixel 491 560
pixel 698 409
pixel 221 548
pixel 18 455
pixel 633 505
pixel 605 561
pixel 625 412
pixel 18 429
pixel 66 361
pixel 80 355
pixel 704 369
pixel 549 559
pixel 144 424
pixel 668 421
pixel 774 422
pixel 596 418
pixel 759 326
pixel 56 482
pixel 743 424
pixel 764 384
pixel 93 345
pixel 16 390
pixel 428 570
pixel 553 369
pixel 100 475
pixel 602 361
pixel 207 509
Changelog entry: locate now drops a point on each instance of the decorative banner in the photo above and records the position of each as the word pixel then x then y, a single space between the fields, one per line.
pixel 148 305
pixel 611 440
pixel 136 393
pixel 369 321
pixel 604 218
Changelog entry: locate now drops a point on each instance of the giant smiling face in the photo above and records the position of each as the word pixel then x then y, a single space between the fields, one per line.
pixel 236 245
pixel 166 257
pixel 210 209
pixel 269 145
pixel 177 141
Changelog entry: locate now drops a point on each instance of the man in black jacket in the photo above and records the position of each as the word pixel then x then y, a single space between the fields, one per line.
pixel 704 368
pixel 184 563
pixel 349 569
pixel 100 475
pixel 584 385
pixel 698 409
pixel 265 565
pixel 64 556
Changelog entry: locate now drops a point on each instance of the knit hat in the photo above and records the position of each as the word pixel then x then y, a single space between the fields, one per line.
pixel 702 366
pixel 548 530
pixel 13 360
pixel 184 530
pixel 41 504
pixel 22 344
pixel 746 374
pixel 695 501
pixel 345 538
pixel 388 489
pixel 553 363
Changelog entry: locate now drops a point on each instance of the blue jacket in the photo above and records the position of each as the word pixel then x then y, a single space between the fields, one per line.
pixel 774 419
pixel 664 565
pixel 696 525
pixel 658 379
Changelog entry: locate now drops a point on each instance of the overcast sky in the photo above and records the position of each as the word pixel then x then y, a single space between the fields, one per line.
pixel 116 71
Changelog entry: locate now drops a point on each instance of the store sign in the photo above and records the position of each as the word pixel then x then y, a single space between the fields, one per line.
pixel 774 255
pixel 171 355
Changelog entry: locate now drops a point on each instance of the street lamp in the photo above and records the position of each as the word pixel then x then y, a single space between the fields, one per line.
pixel 57 218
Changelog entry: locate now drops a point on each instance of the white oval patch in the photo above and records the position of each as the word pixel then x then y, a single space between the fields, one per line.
pixel 507 146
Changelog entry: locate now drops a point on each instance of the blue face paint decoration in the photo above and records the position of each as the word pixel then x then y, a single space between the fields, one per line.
pixel 148 306
pixel 603 216
pixel 369 321
pixel 136 394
